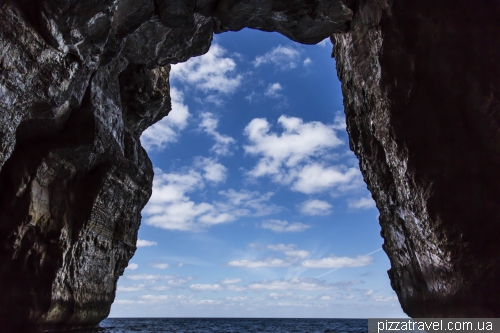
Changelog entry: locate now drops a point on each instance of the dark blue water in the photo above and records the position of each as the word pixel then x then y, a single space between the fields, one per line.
pixel 231 325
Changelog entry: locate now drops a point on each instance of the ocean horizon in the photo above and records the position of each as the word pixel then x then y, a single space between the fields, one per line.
pixel 231 325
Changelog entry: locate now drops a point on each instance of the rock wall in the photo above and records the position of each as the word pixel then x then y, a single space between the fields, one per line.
pixel 80 80
pixel 421 85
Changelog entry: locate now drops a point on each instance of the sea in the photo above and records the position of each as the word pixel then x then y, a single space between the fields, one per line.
pixel 230 325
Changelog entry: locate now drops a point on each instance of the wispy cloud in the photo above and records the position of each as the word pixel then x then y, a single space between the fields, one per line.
pixel 212 71
pixel 143 243
pixel 168 282
pixel 231 281
pixel 338 262
pixel 284 226
pixel 273 90
pixel 268 262
pixel 314 178
pixel 171 207
pixel 132 266
pixel 145 277
pixel 339 121
pixel 205 287
pixel 235 288
pixel 325 42
pixel 362 203
pixel 315 207
pixel 306 284
pixel 213 171
pixel 249 203
pixel 236 298
pixel 223 143
pixel 167 130
pixel 160 265
pixel 128 289
pixel 284 57
pixel 289 250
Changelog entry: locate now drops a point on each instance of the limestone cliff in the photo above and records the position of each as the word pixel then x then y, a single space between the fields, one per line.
pixel 421 85
pixel 80 80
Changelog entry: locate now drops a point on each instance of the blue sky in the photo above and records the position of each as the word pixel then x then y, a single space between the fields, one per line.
pixel 258 208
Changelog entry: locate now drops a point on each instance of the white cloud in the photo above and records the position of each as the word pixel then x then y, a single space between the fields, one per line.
pixel 362 203
pixel 155 297
pixel 137 277
pixel 291 295
pixel 123 289
pixel 298 142
pixel 288 158
pixel 168 281
pixel 338 262
pixel 314 178
pixel 160 288
pixel 231 281
pixel 163 298
pixel 325 42
pixel 205 287
pixel 213 170
pixel 223 143
pixel 378 298
pixel 232 287
pixel 178 282
pixel 307 62
pixel 284 57
pixel 160 265
pixel 268 262
pixel 281 295
pixel 296 156
pixel 339 121
pixel 170 206
pixel 124 302
pixel 142 243
pixel 307 284
pixel 289 250
pixel 209 72
pixel 273 90
pixel 167 130
pixel 249 203
pixel 284 226
pixel 205 302
pixel 250 97
pixel 315 207
pixel 236 298
pixel 180 264
pixel 132 266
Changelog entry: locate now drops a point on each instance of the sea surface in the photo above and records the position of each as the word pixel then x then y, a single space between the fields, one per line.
pixel 230 325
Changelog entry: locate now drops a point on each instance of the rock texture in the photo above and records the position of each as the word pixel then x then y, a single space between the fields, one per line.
pixel 421 85
pixel 80 80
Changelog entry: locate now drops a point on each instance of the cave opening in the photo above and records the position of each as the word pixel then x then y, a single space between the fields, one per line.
pixel 422 116
pixel 258 208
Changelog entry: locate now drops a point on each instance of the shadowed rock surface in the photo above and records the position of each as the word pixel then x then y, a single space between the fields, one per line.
pixel 81 80
pixel 421 85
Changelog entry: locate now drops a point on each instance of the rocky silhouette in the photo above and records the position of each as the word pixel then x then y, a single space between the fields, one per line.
pixel 80 80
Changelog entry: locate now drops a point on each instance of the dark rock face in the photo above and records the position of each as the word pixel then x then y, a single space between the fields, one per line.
pixel 421 85
pixel 81 80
